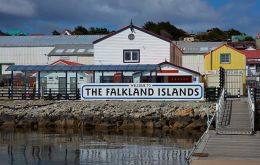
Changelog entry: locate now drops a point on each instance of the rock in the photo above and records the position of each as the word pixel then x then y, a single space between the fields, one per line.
pixel 165 128
pixel 149 125
pixel 196 125
pixel 159 124
pixel 178 125
pixel 103 114
pixel 127 125
pixel 203 115
pixel 105 126
pixel 61 124
pixel 138 124
pixel 50 124
pixel 185 112
pixel 8 124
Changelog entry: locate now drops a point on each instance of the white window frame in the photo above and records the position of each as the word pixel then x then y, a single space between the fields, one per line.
pixel 226 59
pixel 131 51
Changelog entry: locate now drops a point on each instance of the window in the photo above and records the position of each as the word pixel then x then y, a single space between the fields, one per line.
pixel 107 79
pixel 70 50
pixel 59 50
pixel 64 57
pixel 131 56
pixel 81 50
pixel 225 58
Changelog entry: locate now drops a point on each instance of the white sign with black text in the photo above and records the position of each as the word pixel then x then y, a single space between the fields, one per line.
pixel 142 91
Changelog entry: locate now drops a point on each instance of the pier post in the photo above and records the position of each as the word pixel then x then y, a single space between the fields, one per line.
pixel 151 80
pixel 102 76
pixel 39 84
pixel 94 78
pixel 155 76
pixel 24 85
pixel 122 76
pixel 76 90
pixel 66 83
pixel 12 84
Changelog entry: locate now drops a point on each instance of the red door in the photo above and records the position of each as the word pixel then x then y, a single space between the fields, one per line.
pixel 117 78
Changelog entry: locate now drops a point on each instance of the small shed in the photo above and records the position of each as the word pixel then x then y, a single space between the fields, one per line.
pixel 171 73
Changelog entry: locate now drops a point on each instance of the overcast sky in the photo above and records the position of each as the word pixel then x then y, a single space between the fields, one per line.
pixel 44 16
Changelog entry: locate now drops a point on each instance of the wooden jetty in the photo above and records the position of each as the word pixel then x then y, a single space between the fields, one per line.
pixel 234 140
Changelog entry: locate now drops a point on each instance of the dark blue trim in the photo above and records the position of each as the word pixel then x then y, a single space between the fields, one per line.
pixel 175 85
pixel 106 85
pixel 141 98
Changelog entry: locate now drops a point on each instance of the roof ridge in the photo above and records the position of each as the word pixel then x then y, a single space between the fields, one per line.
pixel 66 62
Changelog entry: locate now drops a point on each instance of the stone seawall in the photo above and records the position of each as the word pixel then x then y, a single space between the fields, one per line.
pixel 105 114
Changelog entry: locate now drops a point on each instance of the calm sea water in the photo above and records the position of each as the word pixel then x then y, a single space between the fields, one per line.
pixel 102 148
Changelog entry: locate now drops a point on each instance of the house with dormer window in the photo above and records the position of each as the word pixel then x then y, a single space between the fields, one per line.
pixel 135 45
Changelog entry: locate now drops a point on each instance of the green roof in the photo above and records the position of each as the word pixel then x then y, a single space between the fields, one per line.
pixel 17 33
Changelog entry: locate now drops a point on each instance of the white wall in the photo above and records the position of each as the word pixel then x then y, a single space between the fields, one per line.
pixel 24 55
pixel 87 60
pixel 54 82
pixel 152 49
pixel 194 62
pixel 181 72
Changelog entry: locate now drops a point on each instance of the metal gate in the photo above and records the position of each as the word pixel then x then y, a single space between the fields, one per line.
pixel 234 82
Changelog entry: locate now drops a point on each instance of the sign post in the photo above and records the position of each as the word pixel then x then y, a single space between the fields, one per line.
pixel 142 91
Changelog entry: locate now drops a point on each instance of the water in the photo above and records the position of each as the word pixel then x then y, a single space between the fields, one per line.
pixel 102 148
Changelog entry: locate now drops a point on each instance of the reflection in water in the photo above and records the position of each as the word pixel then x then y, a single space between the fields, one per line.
pixel 72 147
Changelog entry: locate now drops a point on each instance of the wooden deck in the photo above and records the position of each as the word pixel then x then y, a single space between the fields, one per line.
pixel 235 119
pixel 233 142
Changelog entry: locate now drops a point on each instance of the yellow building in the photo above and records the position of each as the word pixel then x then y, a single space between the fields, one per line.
pixel 234 63
pixel 225 56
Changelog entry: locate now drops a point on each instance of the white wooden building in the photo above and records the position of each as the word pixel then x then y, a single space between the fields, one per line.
pixel 134 45
pixel 35 50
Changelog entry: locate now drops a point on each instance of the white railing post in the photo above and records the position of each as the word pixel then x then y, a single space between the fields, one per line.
pixel 217 115
pixel 219 107
pixel 251 107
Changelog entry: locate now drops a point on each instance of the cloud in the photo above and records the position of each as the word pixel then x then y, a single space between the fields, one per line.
pixel 22 8
pixel 192 15
pixel 119 12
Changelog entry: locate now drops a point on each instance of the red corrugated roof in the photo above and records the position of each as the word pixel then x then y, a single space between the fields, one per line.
pixel 66 62
pixel 251 54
